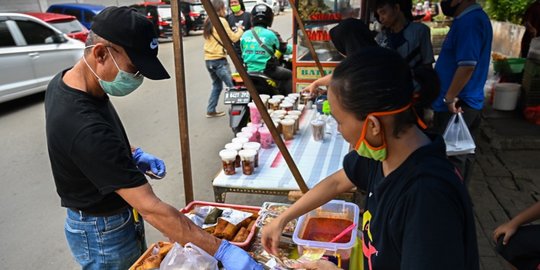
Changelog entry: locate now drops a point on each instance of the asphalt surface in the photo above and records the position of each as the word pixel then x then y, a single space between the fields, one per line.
pixel 31 219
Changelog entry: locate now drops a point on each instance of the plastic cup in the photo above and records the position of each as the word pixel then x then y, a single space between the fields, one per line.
pixel 228 160
pixel 279 97
pixel 235 147
pixel 240 140
pixel 286 106
pixel 248 161
pixel 291 100
pixel 273 104
pixel 254 113
pixel 277 124
pixel 301 107
pixel 253 146
pixel 317 127
pixel 287 126
pixel 266 137
pixel 264 99
pixel 296 121
pixel 295 112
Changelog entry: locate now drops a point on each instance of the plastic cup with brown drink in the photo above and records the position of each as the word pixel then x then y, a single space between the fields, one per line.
pixel 317 127
pixel 235 147
pixel 273 104
pixel 253 146
pixel 286 106
pixel 228 160
pixel 287 128
pixel 296 122
pixel 248 161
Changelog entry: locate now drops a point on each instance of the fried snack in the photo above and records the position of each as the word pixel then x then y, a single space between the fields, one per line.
pixel 218 232
pixel 213 216
pixel 210 230
pixel 251 226
pixel 230 231
pixel 163 250
pixel 245 222
pixel 151 262
pixel 241 236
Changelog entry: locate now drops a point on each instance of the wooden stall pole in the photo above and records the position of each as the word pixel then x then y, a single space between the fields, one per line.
pixel 309 43
pixel 181 98
pixel 214 18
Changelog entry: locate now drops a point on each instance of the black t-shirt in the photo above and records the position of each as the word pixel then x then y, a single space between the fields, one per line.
pixel 88 148
pixel 244 19
pixel 419 216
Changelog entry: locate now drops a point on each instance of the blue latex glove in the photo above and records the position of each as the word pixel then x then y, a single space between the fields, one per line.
pixel 235 258
pixel 146 162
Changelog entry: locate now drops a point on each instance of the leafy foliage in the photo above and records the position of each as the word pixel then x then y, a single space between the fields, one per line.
pixel 507 10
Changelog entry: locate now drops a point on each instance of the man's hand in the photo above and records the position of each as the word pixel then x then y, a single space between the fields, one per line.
pixel 233 257
pixel 451 103
pixel 146 162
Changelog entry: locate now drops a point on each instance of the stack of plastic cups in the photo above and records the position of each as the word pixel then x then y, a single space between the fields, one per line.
pixel 287 127
pixel 253 146
pixel 236 147
pixel 296 122
pixel 241 140
pixel 248 161
pixel 254 114
pixel 228 159
pixel 266 137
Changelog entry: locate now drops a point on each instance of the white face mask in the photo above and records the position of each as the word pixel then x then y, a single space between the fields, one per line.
pixel 123 84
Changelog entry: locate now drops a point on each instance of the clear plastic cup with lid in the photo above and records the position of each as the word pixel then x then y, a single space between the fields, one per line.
pixel 318 127
pixel 287 128
pixel 286 106
pixel 274 104
pixel 296 122
pixel 266 137
pixel 240 140
pixel 228 160
pixel 248 161
pixel 254 114
pixel 279 97
pixel 235 147
pixel 253 146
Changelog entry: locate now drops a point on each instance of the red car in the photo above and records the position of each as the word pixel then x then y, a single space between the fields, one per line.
pixel 65 23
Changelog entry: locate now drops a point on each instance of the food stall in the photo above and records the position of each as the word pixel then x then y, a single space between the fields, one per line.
pixel 318 17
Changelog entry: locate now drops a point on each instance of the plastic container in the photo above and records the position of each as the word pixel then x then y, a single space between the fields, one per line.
pixel 244 245
pixel 266 138
pixel 235 147
pixel 253 146
pixel 254 114
pixel 248 161
pixel 287 127
pixel 228 160
pixel 334 209
pixel 505 96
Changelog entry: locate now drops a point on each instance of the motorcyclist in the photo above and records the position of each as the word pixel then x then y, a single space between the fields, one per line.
pixel 262 48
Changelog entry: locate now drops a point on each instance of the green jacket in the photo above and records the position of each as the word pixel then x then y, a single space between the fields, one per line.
pixel 255 57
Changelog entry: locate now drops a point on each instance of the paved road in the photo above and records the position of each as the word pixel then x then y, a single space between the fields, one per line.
pixel 31 220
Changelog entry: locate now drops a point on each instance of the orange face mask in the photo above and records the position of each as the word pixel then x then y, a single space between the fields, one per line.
pixel 364 149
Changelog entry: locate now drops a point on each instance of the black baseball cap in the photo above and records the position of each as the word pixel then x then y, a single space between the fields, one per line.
pixel 128 28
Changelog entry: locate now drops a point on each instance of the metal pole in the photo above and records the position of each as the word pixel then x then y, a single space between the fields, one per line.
pixel 214 18
pixel 181 101
pixel 308 41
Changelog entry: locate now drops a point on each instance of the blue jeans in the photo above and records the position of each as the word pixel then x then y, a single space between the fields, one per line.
pixel 103 242
pixel 220 73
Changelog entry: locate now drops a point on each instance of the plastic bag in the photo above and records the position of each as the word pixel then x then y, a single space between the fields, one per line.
pixel 189 257
pixel 457 137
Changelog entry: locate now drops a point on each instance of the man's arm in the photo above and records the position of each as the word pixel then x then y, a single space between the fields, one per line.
pixel 461 78
pixel 167 219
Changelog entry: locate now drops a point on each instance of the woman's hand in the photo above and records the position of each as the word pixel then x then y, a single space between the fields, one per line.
pixel 507 229
pixel 271 234
pixel 319 265
pixel 312 89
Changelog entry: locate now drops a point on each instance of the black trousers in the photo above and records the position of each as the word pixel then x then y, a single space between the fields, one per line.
pixel 284 78
pixel 523 248
pixel 464 163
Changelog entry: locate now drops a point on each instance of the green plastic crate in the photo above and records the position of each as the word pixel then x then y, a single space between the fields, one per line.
pixel 509 65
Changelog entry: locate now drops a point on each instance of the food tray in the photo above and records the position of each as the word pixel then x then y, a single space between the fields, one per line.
pixel 273 207
pixel 267 217
pixel 147 254
pixel 254 209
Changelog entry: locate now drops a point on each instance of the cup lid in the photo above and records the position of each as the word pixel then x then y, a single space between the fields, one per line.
pixel 294 113
pixel 241 140
pixel 233 146
pixel 296 95
pixel 290 116
pixel 274 101
pixel 285 104
pixel 280 97
pixel 283 112
pixel 252 146
pixel 287 122
pixel 263 96
pixel 228 154
pixel 252 105
pixel 244 134
pixel 317 122
pixel 247 153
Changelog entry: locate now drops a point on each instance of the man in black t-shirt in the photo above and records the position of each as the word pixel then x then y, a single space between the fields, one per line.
pixel 237 17
pixel 98 175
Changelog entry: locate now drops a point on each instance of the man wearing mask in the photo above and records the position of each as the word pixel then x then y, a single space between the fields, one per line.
pixel 463 66
pixel 98 175
pixel 236 18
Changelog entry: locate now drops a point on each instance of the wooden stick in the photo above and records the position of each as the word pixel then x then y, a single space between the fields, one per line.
pixel 309 43
pixel 181 101
pixel 216 22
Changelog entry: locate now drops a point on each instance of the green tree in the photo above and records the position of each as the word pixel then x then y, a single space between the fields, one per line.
pixel 507 10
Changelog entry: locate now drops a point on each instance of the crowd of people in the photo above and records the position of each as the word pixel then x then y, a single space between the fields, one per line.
pixel 417 214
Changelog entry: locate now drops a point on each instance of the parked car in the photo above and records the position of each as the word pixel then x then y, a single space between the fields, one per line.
pixel 274 4
pixel 160 15
pixel 195 16
pixel 283 4
pixel 67 24
pixel 249 4
pixel 85 13
pixel 31 53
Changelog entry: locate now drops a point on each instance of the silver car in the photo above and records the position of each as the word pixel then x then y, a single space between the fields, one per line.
pixel 31 53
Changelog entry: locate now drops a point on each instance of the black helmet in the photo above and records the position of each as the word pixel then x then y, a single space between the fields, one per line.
pixel 262 14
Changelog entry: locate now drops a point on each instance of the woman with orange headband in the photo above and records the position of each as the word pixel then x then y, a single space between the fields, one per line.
pixel 417 213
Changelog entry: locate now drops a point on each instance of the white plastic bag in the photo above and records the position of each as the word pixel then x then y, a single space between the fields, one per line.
pixel 189 257
pixel 457 137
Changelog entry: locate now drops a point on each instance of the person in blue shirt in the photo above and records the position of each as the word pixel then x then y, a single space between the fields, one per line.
pixel 462 67
pixel 262 48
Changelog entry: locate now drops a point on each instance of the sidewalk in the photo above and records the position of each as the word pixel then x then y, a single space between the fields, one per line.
pixel 506 177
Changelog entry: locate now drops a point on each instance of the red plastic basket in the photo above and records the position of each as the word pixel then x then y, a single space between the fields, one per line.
pixel 251 236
